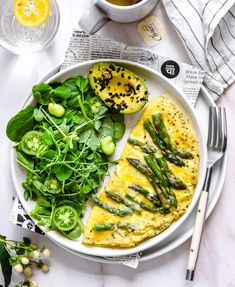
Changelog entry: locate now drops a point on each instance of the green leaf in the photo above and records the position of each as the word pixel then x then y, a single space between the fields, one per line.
pixel 43 202
pixel 82 83
pixel 47 138
pixel 107 127
pixel 90 138
pixel 118 130
pixel 101 111
pixel 117 117
pixel 64 173
pixel 26 241
pixel 62 92
pixel 5 264
pixel 26 160
pixel 43 93
pixel 97 125
pixel 20 124
pixel 38 115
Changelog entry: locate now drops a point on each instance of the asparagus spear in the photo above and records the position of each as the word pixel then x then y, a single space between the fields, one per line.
pixel 144 147
pixel 112 226
pixel 158 142
pixel 164 136
pixel 173 180
pixel 111 209
pixel 146 193
pixel 117 197
pixel 170 194
pixel 145 206
pixel 143 168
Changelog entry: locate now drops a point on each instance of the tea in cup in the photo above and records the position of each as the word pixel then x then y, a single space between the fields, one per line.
pixel 122 11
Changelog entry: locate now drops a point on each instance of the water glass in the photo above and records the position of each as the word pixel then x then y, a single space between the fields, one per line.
pixel 19 39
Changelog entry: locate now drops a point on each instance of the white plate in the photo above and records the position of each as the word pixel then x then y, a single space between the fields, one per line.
pixel 157 85
pixel 185 231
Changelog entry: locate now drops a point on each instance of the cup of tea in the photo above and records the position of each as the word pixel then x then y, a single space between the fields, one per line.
pixel 123 11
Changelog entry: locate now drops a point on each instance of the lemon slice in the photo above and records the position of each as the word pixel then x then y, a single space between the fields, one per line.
pixel 31 13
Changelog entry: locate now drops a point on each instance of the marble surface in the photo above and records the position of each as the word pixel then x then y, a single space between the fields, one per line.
pixel 216 263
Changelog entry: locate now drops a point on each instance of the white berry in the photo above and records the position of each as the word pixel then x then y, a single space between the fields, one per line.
pixel 46 252
pixel 35 254
pixel 25 260
pixel 18 268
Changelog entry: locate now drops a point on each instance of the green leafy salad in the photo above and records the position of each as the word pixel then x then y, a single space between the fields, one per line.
pixel 64 142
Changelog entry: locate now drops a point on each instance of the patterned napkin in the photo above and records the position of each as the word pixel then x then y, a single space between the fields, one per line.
pixel 207 30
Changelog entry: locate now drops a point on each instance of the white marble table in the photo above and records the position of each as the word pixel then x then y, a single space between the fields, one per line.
pixel 216 264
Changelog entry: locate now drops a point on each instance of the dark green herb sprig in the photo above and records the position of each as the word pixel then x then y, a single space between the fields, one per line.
pixel 21 256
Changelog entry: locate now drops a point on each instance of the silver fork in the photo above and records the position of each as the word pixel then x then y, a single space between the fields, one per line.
pixel 216 145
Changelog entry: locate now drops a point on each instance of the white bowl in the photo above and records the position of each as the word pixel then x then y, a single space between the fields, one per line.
pixel 157 85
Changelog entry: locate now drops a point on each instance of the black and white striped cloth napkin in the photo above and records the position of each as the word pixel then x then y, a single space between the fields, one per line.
pixel 207 29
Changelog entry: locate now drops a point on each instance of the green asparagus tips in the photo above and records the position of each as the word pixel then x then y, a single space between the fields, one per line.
pixel 143 168
pixel 110 226
pixel 145 206
pixel 161 129
pixel 183 153
pixel 173 158
pixel 111 209
pixel 164 136
pixel 150 129
pixel 164 184
pixel 144 147
pixel 146 193
pixel 173 180
pixel 160 144
pixel 117 197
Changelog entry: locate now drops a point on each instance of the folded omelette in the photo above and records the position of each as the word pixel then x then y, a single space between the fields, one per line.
pixel 145 224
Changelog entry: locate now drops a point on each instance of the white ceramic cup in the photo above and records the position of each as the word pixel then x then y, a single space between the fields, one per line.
pixel 102 11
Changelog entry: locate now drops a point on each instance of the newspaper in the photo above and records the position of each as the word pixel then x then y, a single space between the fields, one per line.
pixel 83 47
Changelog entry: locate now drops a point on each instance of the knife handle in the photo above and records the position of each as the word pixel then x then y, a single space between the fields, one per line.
pixel 197 234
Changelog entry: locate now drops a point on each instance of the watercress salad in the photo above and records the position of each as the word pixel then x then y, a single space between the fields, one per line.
pixel 64 142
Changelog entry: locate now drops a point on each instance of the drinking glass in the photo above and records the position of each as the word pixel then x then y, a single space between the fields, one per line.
pixel 19 39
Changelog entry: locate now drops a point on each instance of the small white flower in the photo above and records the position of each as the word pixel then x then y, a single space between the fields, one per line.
pixel 25 260
pixel 35 254
pixel 18 268
pixel 46 252
pixel 28 271
pixel 45 268
pixel 33 284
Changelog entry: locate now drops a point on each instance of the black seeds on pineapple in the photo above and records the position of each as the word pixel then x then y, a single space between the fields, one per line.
pixel 122 75
pixel 138 87
pixel 145 93
pixel 129 77
pixel 118 83
pixel 142 99
pixel 110 94
pixel 90 72
pixel 118 69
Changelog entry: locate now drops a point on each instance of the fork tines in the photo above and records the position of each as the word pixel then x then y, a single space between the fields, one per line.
pixel 217 134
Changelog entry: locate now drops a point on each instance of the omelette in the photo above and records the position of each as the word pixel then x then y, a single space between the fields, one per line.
pixel 128 230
